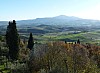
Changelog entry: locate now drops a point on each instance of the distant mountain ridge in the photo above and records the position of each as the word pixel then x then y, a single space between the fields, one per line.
pixel 56 24
pixel 3 23
pixel 67 17
pixel 58 20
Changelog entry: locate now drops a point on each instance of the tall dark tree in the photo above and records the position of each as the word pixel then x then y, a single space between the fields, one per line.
pixel 12 40
pixel 30 42
pixel 78 41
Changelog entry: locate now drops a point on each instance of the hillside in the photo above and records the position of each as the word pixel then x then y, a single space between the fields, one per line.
pixel 58 28
pixel 55 46
pixel 61 20
pixel 58 20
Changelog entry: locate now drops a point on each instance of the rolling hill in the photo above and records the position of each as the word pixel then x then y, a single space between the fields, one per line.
pixel 58 20
pixel 56 24
pixel 57 28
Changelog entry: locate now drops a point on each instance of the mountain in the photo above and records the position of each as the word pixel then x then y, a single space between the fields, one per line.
pixel 3 23
pixel 56 24
pixel 66 17
pixel 61 20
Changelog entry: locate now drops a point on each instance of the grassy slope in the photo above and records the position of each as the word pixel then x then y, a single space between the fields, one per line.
pixel 88 37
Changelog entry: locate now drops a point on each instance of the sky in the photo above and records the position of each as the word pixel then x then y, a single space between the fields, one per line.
pixel 31 9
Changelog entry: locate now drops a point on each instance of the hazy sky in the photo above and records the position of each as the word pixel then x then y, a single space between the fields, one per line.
pixel 31 9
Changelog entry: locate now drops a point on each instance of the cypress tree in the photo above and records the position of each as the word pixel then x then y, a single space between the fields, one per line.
pixel 78 41
pixel 30 42
pixel 12 40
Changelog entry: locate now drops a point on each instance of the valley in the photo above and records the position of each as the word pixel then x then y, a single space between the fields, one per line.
pixel 65 46
pixel 60 28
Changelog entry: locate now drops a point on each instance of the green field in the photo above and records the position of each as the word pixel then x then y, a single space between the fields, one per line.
pixel 85 37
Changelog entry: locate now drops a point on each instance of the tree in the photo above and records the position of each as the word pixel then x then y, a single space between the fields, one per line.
pixel 12 40
pixel 30 42
pixel 78 41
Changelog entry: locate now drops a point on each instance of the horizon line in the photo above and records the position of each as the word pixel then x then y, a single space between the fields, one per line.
pixel 49 17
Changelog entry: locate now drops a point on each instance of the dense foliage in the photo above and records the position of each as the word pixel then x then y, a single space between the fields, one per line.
pixel 12 40
pixel 58 57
